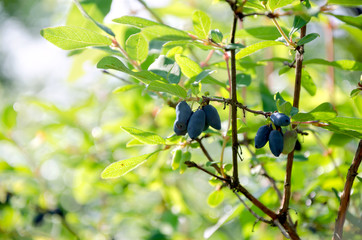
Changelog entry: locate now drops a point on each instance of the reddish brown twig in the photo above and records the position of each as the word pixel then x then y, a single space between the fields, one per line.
pixel 343 207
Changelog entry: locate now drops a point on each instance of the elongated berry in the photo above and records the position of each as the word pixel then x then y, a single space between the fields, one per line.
pixel 262 136
pixel 280 119
pixel 276 143
pixel 183 113
pixel 177 128
pixel 196 124
pixel 212 117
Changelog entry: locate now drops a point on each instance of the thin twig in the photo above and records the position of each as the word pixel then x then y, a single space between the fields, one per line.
pixel 191 164
pixel 214 165
pixel 234 129
pixel 158 19
pixel 67 226
pixel 343 207
pixel 113 75
pixel 251 211
pixel 288 176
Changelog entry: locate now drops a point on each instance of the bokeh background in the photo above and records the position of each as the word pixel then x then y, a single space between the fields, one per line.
pixel 60 127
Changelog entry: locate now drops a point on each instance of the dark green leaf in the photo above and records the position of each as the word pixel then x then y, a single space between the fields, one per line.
pixel 215 35
pixel 298 23
pixel 355 92
pixel 308 38
pixel 243 80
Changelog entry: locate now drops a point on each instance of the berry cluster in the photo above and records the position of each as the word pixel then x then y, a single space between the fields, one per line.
pixel 278 142
pixel 194 123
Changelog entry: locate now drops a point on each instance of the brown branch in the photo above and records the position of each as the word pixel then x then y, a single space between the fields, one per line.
pixel 343 207
pixel 283 212
pixel 234 99
pixel 251 211
pixel 214 165
pixel 191 164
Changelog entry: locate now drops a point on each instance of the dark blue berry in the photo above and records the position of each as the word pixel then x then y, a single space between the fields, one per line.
pixel 276 143
pixel 212 117
pixel 196 124
pixel 280 119
pixel 262 136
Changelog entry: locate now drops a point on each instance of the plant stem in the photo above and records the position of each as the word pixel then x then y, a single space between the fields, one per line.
pixel 158 19
pixel 214 165
pixel 283 34
pixel 234 108
pixel 343 207
pixel 298 79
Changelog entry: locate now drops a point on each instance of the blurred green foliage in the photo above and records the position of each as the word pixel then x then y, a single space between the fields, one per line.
pixel 52 156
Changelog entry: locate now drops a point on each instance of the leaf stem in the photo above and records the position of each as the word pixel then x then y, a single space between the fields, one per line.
pixel 291 43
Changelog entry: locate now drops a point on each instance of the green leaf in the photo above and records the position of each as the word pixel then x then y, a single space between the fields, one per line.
pixel 324 111
pixel 116 64
pixel 176 159
pixel 86 15
pixel 201 23
pixel 339 140
pixel 233 213
pixel 172 89
pixel 308 84
pixel 145 137
pixel 166 68
pixel 274 4
pixel 243 80
pixel 256 47
pixel 347 123
pixel 215 35
pixel 122 167
pixel 308 38
pixel 354 21
pixel 70 38
pixel 299 22
pixel 215 198
pixel 263 33
pixel 285 107
pixel 348 65
pixel 137 47
pixel 126 88
pixel 164 33
pixel 190 69
pixel 346 2
pixel 355 92
pixel 135 21
pixel 9 116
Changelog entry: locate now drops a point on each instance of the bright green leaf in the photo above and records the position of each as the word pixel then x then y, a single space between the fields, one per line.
pixel 256 47
pixel 172 89
pixel 137 47
pixel 346 2
pixel 126 88
pixel 215 198
pixel 354 21
pixel 145 137
pixel 308 84
pixel 274 4
pixel 349 65
pixel 324 111
pixel 263 33
pixel 135 21
pixel 202 24
pixel 308 38
pixel 122 167
pixel 70 38
pixel 164 33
